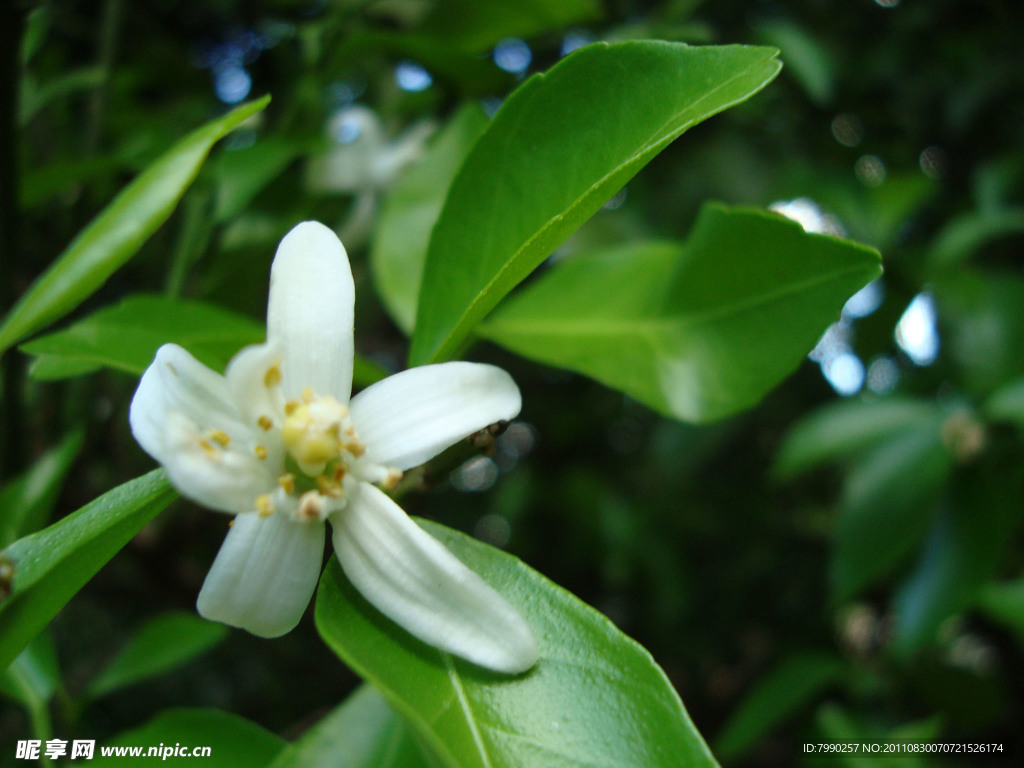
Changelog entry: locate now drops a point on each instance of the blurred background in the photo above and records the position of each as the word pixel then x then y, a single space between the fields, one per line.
pixel 842 561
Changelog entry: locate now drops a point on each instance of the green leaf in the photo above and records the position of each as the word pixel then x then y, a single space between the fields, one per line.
pixel 27 501
pixel 1004 603
pixel 558 149
pixel 163 643
pixel 234 742
pixel 126 336
pixel 41 572
pixel 364 732
pixel 32 679
pixel 883 515
pixel 243 173
pixel 840 430
pixel 964 549
pixel 698 330
pixel 34 676
pixel 475 27
pixel 966 234
pixel 410 212
pixel 1007 403
pixel 595 698
pixel 35 97
pixel 118 231
pixel 808 59
pixel 793 684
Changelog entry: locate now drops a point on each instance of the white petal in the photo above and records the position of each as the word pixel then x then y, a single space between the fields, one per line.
pixel 414 415
pixel 310 313
pixel 411 578
pixel 264 574
pixel 178 406
pixel 250 377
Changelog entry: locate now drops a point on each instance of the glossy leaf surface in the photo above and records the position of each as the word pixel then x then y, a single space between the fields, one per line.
pixel 595 698
pixel 162 644
pixel 554 153
pixel 234 742
pixel 125 337
pixel 698 330
pixel 364 732
pixel 118 232
pixel 48 567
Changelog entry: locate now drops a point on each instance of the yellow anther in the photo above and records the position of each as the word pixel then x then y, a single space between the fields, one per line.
pixel 307 395
pixel 261 452
pixel 291 406
pixel 265 423
pixel 273 375
pixel 356 448
pixel 390 481
pixel 329 488
pixel 264 506
pixel 220 437
pixel 339 472
pixel 311 507
pixel 287 482
pixel 209 450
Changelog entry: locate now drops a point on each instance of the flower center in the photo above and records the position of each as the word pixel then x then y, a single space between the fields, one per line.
pixel 317 432
pixel 324 459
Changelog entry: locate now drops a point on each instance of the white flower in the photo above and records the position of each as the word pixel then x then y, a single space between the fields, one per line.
pixel 361 157
pixel 278 442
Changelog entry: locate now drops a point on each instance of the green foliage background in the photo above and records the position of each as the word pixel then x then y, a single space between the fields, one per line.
pixel 810 568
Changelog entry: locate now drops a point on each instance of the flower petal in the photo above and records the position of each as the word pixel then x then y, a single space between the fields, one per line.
pixel 310 312
pixel 414 415
pixel 253 377
pixel 411 578
pixel 183 416
pixel 264 574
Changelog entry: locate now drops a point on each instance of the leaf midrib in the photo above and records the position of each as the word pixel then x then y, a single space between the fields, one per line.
pixel 653 326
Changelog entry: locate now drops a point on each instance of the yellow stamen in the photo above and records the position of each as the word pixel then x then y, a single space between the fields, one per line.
pixel 265 423
pixel 287 482
pixel 390 481
pixel 339 473
pixel 307 395
pixel 273 375
pixel 261 452
pixel 356 448
pixel 329 488
pixel 264 506
pixel 220 437
pixel 291 406
pixel 209 450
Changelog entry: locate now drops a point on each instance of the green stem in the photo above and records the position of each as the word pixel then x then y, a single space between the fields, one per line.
pixel 106 46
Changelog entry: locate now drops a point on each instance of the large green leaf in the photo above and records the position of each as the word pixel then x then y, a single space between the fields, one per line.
pixel 888 504
pixel 119 231
pixel 163 643
pixel 364 732
pixel 595 698
pixel 41 572
pixel 410 211
pixel 234 742
pixel 126 336
pixel 698 330
pixel 560 146
pixel 792 685
pixel 27 501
